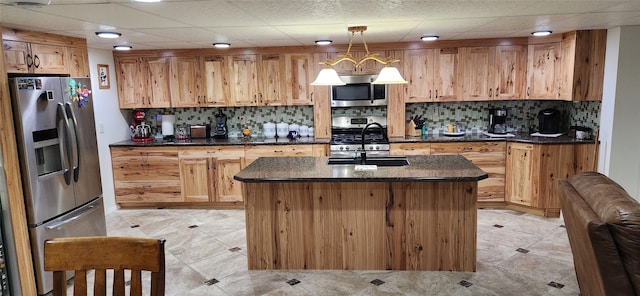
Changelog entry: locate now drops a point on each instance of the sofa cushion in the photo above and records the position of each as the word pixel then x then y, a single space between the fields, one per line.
pixel 614 206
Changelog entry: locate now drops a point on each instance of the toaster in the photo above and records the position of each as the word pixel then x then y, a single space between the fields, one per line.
pixel 199 131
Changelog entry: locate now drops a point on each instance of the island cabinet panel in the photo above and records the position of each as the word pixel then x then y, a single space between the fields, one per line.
pixel 489 157
pixel 144 175
pixel 361 225
pixel 410 148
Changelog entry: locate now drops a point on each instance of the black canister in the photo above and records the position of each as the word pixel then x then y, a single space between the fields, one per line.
pixel 549 121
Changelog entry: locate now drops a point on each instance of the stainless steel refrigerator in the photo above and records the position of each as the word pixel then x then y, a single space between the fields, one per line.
pixel 58 151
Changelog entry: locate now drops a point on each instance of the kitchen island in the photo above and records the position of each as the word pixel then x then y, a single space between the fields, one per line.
pixel 302 213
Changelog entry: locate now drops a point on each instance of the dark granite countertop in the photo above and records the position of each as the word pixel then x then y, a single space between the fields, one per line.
pixel 223 142
pixel 429 138
pixel 519 137
pixel 427 168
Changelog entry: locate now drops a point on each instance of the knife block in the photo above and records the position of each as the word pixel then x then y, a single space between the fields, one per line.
pixel 412 130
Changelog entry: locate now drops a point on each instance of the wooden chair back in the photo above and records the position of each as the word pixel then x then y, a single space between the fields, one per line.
pixel 102 253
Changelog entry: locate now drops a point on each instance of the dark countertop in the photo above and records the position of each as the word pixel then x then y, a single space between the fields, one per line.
pixel 426 168
pixel 222 142
pixel 429 138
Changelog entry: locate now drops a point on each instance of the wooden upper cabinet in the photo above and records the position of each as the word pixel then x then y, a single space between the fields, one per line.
pixel 321 104
pixel 433 75
pixel 17 56
pixel 216 80
pixel 143 82
pixel 186 82
pixel 243 89
pixel 494 72
pixel 25 57
pixel 543 71
pixel 298 76
pixel 78 63
pixel 582 74
pixel 270 80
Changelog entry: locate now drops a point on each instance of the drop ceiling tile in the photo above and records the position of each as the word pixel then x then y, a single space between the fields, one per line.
pixel 537 22
pixel 36 18
pixel 486 34
pixel 599 19
pixel 111 14
pixel 246 33
pixel 336 32
pixel 179 34
pixel 626 6
pixel 568 6
pixel 200 13
pixel 278 12
pixel 234 44
pixel 270 42
pixel 449 26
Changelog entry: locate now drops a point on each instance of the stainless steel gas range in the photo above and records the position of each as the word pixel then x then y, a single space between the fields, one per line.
pixel 349 137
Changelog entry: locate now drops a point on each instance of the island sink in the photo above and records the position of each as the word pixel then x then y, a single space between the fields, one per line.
pixel 379 161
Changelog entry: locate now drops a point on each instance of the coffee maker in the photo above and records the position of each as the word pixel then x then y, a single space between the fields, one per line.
pixel 497 121
pixel 221 131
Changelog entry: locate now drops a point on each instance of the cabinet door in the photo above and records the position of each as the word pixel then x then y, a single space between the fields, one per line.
pixel 298 78
pixel 270 80
pixel 158 92
pixel 543 71
pixel 216 81
pixel 228 189
pixel 510 69
pixel 78 62
pixel 369 67
pixel 195 179
pixel 132 81
pixel 418 67
pixel 520 174
pixel 321 108
pixel 446 75
pixel 17 57
pixel 242 80
pixel 478 81
pixel 186 82
pixel 48 59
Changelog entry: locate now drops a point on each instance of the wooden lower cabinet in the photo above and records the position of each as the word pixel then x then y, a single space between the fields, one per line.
pixel 533 171
pixel 488 156
pixel 144 175
pixel 252 152
pixel 410 148
pixel 207 175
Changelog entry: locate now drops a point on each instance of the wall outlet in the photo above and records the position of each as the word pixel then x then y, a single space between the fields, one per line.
pixel 436 114
pixel 101 128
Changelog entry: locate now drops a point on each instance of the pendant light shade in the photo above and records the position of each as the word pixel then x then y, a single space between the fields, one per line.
pixel 328 76
pixel 389 75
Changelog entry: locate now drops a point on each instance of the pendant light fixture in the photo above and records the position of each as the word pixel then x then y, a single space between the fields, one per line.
pixel 388 74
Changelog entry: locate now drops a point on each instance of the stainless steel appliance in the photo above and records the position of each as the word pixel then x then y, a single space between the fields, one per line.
pixel 497 121
pixel 549 121
pixel 58 151
pixel 347 136
pixel 358 91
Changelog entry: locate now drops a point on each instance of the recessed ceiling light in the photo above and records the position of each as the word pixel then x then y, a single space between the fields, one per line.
pixel 323 42
pixel 147 1
pixel 429 38
pixel 541 33
pixel 108 34
pixel 122 47
pixel 221 44
pixel 30 2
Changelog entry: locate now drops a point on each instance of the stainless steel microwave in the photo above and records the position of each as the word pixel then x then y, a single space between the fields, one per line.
pixel 358 91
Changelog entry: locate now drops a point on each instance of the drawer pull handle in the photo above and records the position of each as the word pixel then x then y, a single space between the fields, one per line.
pixel 278 151
pixel 467 149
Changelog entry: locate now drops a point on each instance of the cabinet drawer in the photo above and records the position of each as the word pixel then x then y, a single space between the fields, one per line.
pixel 145 170
pixel 218 152
pixel 144 154
pixel 410 148
pixel 148 191
pixel 468 147
pixel 278 150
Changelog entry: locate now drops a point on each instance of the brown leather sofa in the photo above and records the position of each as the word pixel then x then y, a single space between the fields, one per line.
pixel 603 224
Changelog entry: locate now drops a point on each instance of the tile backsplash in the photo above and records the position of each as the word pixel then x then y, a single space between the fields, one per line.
pixel 521 114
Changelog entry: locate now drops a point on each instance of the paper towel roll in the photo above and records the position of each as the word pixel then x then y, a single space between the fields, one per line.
pixel 168 122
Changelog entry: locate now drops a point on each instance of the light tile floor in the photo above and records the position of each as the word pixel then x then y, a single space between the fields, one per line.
pixel 518 254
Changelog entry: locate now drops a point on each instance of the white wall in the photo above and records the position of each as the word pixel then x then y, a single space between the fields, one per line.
pixel 112 125
pixel 620 112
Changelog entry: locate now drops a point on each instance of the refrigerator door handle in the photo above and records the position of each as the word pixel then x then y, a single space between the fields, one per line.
pixel 90 209
pixel 63 129
pixel 74 141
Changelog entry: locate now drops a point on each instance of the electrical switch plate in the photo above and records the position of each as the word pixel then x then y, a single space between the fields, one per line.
pixel 101 128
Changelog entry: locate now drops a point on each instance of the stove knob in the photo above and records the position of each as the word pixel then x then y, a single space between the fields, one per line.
pixel 377 147
pixel 341 148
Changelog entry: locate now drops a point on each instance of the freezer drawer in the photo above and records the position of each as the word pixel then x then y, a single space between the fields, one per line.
pixel 87 220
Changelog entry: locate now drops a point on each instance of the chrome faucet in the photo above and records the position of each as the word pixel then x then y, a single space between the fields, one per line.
pixel 363 153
